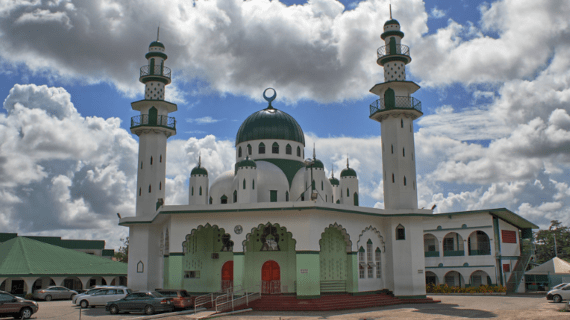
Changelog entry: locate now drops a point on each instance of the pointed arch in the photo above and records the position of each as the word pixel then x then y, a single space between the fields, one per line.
pixel 275 148
pixel 355 198
pixel 239 152
pixel 200 191
pixel 152 116
pixel 298 151
pixel 279 239
pixel 389 99
pixel 261 148
pixel 288 149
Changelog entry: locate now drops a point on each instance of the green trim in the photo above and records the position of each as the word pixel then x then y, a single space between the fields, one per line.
pixel 411 297
pixel 165 256
pixel 508 257
pixel 502 213
pixel 308 252
pixel 239 253
pixel 450 267
pixel 309 297
pixel 431 254
pixel 393 57
pixel 145 79
pixel 156 54
pixel 386 34
pixel 177 254
pixel 352 253
pixel 446 229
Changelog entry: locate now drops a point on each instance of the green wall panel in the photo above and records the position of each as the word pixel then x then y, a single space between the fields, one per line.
pixel 352 280
pixel 175 272
pixel 308 275
pixel 239 269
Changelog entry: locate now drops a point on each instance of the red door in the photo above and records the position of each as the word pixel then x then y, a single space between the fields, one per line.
pixel 270 277
pixel 227 275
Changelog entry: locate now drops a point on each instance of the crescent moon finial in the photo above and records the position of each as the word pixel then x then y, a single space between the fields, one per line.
pixel 270 99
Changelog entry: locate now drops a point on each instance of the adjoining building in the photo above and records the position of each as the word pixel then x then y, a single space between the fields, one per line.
pixel 276 222
pixel 553 272
pixel 28 264
pixel 93 247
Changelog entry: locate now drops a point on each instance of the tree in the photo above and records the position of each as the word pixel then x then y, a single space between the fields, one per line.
pixel 122 255
pixel 545 244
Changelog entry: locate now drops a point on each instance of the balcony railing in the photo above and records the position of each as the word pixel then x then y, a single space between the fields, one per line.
pixel 400 49
pixel 431 254
pixel 479 252
pixel 157 121
pixel 398 103
pixel 454 253
pixel 155 71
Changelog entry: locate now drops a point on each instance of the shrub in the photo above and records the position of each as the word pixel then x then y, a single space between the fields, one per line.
pixel 444 288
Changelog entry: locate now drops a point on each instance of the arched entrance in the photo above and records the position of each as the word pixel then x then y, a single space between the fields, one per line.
pixel 270 277
pixel 228 275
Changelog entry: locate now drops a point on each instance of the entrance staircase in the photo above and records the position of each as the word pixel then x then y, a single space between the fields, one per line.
pixel 518 271
pixel 330 302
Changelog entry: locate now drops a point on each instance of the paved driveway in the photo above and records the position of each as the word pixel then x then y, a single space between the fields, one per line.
pixel 451 307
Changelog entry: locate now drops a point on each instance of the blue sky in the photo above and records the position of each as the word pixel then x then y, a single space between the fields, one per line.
pixel 494 78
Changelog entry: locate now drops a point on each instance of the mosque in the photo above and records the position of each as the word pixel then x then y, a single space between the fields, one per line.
pixel 278 223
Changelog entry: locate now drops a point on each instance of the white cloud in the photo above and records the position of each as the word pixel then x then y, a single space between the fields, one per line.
pixel 204 120
pixel 437 13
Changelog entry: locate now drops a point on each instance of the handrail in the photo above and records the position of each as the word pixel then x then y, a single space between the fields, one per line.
pixel 159 121
pixel 209 298
pixel 400 102
pixel 160 71
pixel 399 49
pixel 237 298
pixel 518 271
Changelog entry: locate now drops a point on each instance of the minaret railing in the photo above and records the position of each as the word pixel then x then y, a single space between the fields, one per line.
pixel 155 71
pixel 158 121
pixel 398 103
pixel 399 49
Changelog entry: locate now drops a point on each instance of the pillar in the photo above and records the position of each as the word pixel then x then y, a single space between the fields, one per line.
pixel 239 269
pixel 308 272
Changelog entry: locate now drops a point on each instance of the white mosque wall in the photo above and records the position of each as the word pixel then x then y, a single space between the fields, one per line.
pixel 151 172
pixel 198 189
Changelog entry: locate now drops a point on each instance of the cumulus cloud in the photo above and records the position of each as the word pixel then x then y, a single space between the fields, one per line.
pixel 204 120
pixel 437 13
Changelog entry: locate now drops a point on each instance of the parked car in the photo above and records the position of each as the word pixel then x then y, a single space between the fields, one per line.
pixel 54 292
pixel 12 306
pixel 558 286
pixel 148 302
pixel 180 298
pixel 557 295
pixel 102 296
pixel 92 291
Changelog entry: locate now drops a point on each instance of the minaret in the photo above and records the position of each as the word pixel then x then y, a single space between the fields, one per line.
pixel 335 185
pixel 348 186
pixel 198 185
pixel 396 110
pixel 154 127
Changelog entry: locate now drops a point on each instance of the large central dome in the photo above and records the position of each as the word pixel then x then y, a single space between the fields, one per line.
pixel 270 123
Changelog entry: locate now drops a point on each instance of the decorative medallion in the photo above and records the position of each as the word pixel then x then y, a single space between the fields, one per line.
pixel 238 229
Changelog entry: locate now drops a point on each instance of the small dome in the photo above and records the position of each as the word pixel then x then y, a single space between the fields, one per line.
pixel 318 164
pixel 246 163
pixel 270 123
pixel 392 21
pixel 199 170
pixel 334 181
pixel 347 172
pixel 156 44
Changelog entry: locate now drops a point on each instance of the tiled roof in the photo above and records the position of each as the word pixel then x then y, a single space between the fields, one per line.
pixel 22 256
pixel 57 241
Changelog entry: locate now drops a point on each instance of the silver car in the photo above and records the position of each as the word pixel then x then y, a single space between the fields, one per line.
pixel 101 297
pixel 86 293
pixel 52 293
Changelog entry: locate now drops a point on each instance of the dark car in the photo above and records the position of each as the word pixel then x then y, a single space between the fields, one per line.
pixel 180 298
pixel 148 302
pixel 12 306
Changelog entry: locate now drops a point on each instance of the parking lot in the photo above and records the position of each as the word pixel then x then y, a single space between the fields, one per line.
pixel 451 307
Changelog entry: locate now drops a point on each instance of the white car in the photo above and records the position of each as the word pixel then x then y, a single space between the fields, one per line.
pixel 88 292
pixel 557 295
pixel 102 296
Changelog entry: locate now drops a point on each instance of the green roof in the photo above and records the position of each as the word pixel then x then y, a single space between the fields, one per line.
pixel 348 172
pixel 246 163
pixel 199 170
pixel 318 164
pixel 156 44
pixel 270 123
pixel 22 256
pixel 334 181
pixel 57 241
pixel 391 21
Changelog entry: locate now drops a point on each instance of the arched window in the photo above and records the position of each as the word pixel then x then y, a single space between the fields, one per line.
pixel 224 199
pixel 347 192
pixel 150 160
pixel 211 200
pixel 249 149
pixel 235 196
pixel 393 178
pixel 286 195
pixel 355 196
pixel 140 267
pixel 288 149
pixel 243 184
pixel 322 185
pixel 326 198
pixel 403 152
pixel 261 148
pixel 389 99
pixel 392 149
pixel 239 152
pixel 192 192
pixel 402 123
pixel 275 148
pixel 160 185
pixel 378 264
pixel 404 180
pixel 141 164
pixel 400 232
pixel 140 192
pixel 152 116
pixel 298 151
pixel 160 158
pixel 149 189
pixel 200 191
pixel 253 184
pixel 369 251
pixel 361 254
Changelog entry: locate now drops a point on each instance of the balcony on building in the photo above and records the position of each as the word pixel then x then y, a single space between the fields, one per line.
pixel 153 72
pixel 145 120
pixel 399 102
pixel 392 52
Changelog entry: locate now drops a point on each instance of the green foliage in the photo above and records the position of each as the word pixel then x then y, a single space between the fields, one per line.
pixel 444 288
pixel 545 242
pixel 122 255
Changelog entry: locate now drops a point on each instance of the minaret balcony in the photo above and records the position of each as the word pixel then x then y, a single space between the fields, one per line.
pixel 144 120
pixel 398 52
pixel 398 103
pixel 157 73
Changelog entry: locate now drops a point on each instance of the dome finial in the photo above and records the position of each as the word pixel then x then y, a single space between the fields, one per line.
pixel 347 161
pixel 270 99
pixel 158 32
pixel 332 170
pixel 390 10
pixel 314 152
pixel 199 160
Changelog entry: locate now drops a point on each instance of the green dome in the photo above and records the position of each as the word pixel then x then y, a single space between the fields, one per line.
pixel 199 170
pixel 392 21
pixel 270 123
pixel 156 44
pixel 318 164
pixel 334 181
pixel 348 172
pixel 246 163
